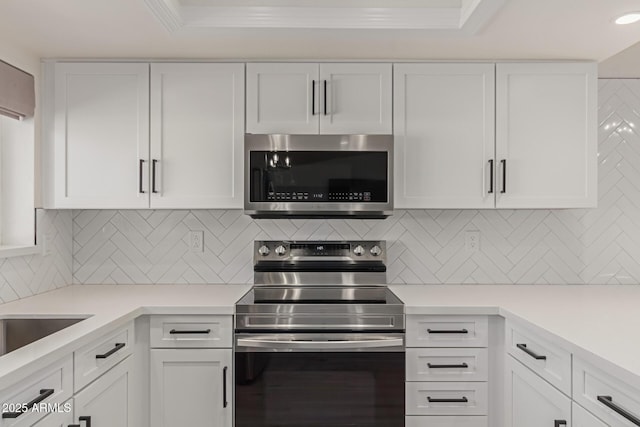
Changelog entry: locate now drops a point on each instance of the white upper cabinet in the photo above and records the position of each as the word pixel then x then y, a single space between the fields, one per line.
pixel 282 98
pixel 356 98
pixel 544 136
pixel 101 136
pixel 546 123
pixel 124 140
pixel 444 135
pixel 316 98
pixel 197 134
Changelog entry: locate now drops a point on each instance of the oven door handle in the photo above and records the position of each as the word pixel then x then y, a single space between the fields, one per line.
pixel 319 345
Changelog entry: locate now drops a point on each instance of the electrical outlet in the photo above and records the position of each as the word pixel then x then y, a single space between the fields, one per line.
pixel 196 241
pixel 472 241
pixel 46 244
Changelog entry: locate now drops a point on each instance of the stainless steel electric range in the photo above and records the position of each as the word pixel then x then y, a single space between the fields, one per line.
pixel 319 340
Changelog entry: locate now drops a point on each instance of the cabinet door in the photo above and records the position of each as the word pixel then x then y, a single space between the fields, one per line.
pixel 108 401
pixel 191 388
pixel 546 135
pixel 583 418
pixel 355 99
pixel 444 135
pixel 283 98
pixel 197 134
pixel 101 135
pixel 58 419
pixel 531 401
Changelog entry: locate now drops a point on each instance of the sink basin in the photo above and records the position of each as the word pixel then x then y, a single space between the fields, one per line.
pixel 16 333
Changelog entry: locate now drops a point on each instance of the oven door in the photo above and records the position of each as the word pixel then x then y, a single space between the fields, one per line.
pixel 311 175
pixel 319 380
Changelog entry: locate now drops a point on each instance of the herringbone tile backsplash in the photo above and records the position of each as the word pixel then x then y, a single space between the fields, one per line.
pixel 424 246
pixel 24 276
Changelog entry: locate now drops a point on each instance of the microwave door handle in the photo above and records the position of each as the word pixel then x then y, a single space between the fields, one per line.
pixel 319 345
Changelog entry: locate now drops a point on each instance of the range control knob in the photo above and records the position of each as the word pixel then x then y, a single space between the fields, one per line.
pixel 358 250
pixel 280 250
pixel 376 251
pixel 264 250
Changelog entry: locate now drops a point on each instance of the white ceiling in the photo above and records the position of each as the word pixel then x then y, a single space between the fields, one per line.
pixel 522 29
pixel 440 16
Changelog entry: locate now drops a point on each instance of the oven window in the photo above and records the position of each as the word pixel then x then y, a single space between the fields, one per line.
pixel 319 389
pixel 319 176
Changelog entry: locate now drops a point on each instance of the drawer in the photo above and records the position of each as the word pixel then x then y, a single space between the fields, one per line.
pixel 49 386
pixel 444 421
pixel 447 331
pixel 610 398
pixel 100 355
pixel 191 331
pixel 447 364
pixel 446 398
pixel 583 418
pixel 541 355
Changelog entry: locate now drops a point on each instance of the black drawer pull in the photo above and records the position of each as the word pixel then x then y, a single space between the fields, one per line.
pixel 140 167
pixel 608 402
pixel 432 366
pixel 119 345
pixel 447 331
pixel 490 176
pixel 194 331
pixel 224 387
pixel 85 419
pixel 558 423
pixel 524 348
pixel 44 393
pixel 461 400
pixel 504 176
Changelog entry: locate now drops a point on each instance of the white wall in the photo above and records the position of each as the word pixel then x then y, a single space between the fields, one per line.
pixel 625 64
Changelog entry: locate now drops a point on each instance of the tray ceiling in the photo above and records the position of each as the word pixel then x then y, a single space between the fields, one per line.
pixel 462 16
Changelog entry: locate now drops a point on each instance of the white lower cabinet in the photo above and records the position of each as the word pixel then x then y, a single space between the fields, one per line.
pixel 531 401
pixel 63 418
pixel 107 402
pixel 584 418
pixel 446 421
pixel 191 387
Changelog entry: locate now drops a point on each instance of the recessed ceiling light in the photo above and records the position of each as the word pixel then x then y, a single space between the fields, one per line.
pixel 628 18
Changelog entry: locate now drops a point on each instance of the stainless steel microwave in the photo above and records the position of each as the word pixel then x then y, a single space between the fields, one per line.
pixel 318 176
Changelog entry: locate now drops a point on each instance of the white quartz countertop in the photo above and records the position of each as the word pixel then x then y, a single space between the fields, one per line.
pixel 106 307
pixel 597 321
pixel 601 321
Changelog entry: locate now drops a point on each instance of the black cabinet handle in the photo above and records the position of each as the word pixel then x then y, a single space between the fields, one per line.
pixel 461 400
pixel 608 402
pixel 325 97
pixel 558 423
pixel 504 176
pixel 491 176
pixel 140 167
pixel 224 387
pixel 432 366
pixel 447 331
pixel 313 97
pixel 44 393
pixel 154 162
pixel 194 331
pixel 117 347
pixel 536 356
